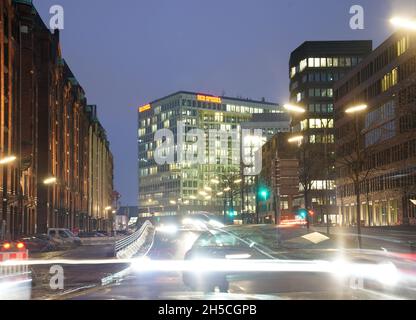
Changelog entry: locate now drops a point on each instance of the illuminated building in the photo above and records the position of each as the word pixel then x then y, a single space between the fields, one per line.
pixel 181 187
pixel 386 83
pixel 100 181
pixel 47 127
pixel 10 219
pixel 314 68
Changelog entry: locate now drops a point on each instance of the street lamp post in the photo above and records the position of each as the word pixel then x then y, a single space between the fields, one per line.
pixel 357 166
pixel 48 182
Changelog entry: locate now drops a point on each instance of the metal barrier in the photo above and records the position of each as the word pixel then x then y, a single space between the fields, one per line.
pixel 129 246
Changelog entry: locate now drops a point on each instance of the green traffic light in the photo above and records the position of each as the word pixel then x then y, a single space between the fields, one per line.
pixel 264 193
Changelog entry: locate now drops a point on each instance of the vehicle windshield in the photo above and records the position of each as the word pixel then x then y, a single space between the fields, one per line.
pixel 207 150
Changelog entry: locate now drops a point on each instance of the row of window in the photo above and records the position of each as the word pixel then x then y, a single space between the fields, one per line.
pixel 321 92
pixel 383 59
pixel 325 62
pixel 321 107
pixel 315 92
pixel 385 112
pixel 319 138
pixel 396 180
pixel 316 124
pixel 400 152
pixel 380 134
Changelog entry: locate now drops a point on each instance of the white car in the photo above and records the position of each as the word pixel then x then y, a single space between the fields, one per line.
pixel 64 237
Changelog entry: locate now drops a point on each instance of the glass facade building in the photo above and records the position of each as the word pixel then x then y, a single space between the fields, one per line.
pixel 200 146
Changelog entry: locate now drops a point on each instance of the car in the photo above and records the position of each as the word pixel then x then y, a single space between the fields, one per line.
pixel 39 243
pixel 12 246
pixel 216 244
pixel 64 237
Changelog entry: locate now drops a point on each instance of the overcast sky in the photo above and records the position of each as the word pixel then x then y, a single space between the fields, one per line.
pixel 126 53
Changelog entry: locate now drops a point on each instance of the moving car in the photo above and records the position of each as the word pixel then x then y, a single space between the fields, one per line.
pixel 295 263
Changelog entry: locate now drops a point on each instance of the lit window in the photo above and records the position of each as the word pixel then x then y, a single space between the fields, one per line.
pixel 329 62
pixel 303 65
pixel 389 80
pixel 403 45
pixel 293 72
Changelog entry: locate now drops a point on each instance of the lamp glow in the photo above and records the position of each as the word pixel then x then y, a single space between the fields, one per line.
pixel 356 109
pixel 51 180
pixel 294 108
pixel 7 160
pixel 403 23
pixel 295 139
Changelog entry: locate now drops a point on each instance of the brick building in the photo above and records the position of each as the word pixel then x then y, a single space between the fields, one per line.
pixel 47 126
pixel 280 174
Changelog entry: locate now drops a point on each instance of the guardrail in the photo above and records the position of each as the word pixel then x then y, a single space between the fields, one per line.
pixel 129 246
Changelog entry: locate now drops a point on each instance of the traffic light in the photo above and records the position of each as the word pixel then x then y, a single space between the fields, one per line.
pixel 263 193
pixel 303 213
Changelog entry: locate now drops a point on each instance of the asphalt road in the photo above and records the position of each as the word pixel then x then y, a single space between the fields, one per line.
pixel 76 276
pixel 169 285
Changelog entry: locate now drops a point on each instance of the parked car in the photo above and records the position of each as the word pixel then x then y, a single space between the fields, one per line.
pixel 64 237
pixel 39 243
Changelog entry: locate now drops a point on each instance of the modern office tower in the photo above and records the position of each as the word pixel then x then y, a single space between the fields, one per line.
pixel 375 121
pixel 180 174
pixel 314 68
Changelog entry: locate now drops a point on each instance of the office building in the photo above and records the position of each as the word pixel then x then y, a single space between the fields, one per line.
pixel 378 136
pixel 314 68
pixel 196 175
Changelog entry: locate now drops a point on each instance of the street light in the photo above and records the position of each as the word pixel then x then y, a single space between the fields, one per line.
pixel 297 139
pixel 356 170
pixel 356 109
pixel 203 193
pixel 172 202
pixel 294 108
pixel 413 201
pixel 7 160
pixel 49 181
pixel 404 23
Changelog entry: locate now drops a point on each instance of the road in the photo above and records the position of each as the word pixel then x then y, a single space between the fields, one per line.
pixel 396 239
pixel 169 285
pixel 76 277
